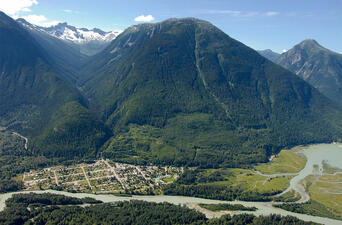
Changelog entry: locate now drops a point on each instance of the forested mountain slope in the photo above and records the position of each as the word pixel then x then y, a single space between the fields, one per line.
pixel 184 92
pixel 40 102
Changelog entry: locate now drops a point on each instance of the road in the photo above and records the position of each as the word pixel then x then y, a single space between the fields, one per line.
pixel 114 172
pixel 17 134
pixel 25 138
pixel 56 179
pixel 87 179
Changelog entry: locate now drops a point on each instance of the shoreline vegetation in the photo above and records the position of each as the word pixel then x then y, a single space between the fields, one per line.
pixel 226 207
pixel 58 209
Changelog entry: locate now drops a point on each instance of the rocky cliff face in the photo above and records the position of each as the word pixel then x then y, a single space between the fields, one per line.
pixel 317 65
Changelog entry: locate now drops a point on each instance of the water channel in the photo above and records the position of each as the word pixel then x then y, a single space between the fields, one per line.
pixel 316 154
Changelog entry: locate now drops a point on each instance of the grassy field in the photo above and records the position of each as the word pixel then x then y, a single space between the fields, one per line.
pixel 169 179
pixel 248 180
pixel 327 190
pixel 330 170
pixel 251 181
pixel 287 161
pixel 329 178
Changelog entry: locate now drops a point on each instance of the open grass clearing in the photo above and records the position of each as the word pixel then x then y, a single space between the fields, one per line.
pixel 287 161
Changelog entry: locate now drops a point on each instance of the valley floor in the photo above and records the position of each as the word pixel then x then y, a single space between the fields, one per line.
pixel 106 176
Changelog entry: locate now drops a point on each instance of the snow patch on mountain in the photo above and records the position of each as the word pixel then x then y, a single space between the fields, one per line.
pixel 67 32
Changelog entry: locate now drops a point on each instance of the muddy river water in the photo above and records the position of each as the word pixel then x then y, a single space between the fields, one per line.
pixel 316 154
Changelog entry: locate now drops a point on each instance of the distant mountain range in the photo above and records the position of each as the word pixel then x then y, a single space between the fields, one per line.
pixel 178 92
pixel 269 54
pixel 90 41
pixel 320 67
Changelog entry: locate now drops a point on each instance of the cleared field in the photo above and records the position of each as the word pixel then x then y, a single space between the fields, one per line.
pixel 251 181
pixel 287 161
pixel 248 180
pixel 331 178
pixel 333 202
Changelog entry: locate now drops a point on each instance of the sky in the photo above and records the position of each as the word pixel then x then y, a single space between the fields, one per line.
pixel 260 24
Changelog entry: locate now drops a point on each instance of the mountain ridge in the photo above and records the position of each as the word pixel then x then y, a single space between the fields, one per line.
pixel 269 54
pixel 317 65
pixel 90 41
pixel 177 92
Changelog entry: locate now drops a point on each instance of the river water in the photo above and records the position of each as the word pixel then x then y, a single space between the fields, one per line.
pixel 315 154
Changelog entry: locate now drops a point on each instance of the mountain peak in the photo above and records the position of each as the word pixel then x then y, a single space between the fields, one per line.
pixel 269 54
pixel 317 65
pixel 310 47
pixel 310 43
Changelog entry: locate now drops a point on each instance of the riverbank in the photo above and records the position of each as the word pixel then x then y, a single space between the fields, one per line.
pixel 191 202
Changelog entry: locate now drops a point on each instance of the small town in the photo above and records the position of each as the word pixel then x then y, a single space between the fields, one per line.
pixel 103 176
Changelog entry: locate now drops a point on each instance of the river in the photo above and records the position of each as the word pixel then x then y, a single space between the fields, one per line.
pixel 264 208
pixel 316 154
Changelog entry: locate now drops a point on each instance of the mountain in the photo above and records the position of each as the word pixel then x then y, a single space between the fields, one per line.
pixel 269 54
pixel 64 56
pixel 317 65
pixel 90 42
pixel 40 102
pixel 183 92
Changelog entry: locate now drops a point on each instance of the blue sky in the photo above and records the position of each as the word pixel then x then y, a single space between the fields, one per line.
pixel 260 24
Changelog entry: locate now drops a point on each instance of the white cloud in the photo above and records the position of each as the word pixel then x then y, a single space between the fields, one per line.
pixel 234 13
pixel 71 11
pixel 243 14
pixel 144 18
pixel 284 50
pixel 271 13
pixel 40 20
pixel 229 12
pixel 14 7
